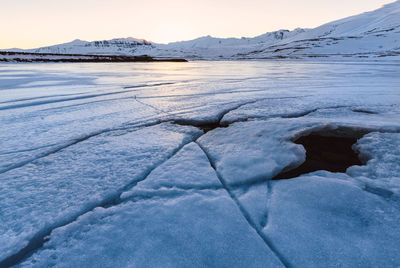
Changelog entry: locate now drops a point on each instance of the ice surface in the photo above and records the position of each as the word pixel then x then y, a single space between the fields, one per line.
pixel 382 172
pixel 253 151
pixel 189 228
pixel 380 149
pixel 326 222
pixel 101 166
pixel 188 169
pixel 200 230
pixel 54 189
pixel 305 105
pixel 379 177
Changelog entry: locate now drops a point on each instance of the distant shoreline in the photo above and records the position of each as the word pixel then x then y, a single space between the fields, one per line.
pixel 6 56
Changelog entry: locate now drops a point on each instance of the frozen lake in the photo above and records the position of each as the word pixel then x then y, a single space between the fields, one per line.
pixel 170 164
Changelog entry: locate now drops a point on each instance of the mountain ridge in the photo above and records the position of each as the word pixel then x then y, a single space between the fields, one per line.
pixel 374 34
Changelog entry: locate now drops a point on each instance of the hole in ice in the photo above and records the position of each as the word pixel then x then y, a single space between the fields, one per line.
pixel 209 126
pixel 205 126
pixel 325 150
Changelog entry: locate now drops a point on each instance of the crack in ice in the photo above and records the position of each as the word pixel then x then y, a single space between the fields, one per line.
pixel 131 128
pixel 89 96
pixel 38 240
pixel 245 213
pixel 265 220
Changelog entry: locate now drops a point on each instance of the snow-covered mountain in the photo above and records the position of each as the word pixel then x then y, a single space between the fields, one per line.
pixel 124 46
pixel 203 47
pixel 374 34
pixel 209 47
pixel 368 35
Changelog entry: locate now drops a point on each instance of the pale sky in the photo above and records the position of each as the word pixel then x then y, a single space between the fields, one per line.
pixel 36 23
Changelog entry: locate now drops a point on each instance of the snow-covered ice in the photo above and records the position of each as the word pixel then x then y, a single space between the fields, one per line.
pixel 170 164
pixel 328 222
pixel 54 189
pixel 182 171
pixel 200 230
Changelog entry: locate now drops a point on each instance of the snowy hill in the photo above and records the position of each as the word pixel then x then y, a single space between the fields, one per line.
pixel 372 35
pixel 209 47
pixel 125 46
pixel 203 47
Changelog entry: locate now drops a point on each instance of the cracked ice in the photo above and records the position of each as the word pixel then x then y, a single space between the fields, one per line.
pixel 170 165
